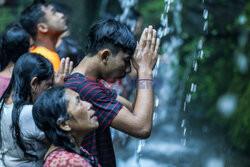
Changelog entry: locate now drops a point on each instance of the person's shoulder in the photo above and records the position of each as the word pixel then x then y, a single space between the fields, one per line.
pixel 65 158
pixel 78 80
pixel 41 50
pixel 75 77
pixel 26 114
pixel 27 110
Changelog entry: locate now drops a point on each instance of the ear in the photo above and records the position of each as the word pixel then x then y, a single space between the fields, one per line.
pixel 42 27
pixel 104 55
pixel 63 124
pixel 34 83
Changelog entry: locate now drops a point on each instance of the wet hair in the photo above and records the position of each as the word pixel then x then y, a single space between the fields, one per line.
pixel 70 48
pixel 14 42
pixel 33 15
pixel 28 66
pixel 50 107
pixel 111 34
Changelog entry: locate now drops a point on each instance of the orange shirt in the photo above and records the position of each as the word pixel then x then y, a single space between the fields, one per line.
pixel 53 57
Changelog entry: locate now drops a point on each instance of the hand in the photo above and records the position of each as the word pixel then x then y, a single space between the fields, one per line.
pixel 146 53
pixel 133 73
pixel 65 69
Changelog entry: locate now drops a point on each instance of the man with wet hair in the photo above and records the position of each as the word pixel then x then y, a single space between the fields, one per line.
pixel 45 25
pixel 110 48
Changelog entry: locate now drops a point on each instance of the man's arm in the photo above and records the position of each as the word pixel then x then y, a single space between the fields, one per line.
pixel 139 122
pixel 125 102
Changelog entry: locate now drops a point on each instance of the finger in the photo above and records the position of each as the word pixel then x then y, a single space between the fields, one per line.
pixel 149 38
pixel 143 39
pixel 157 46
pixel 62 64
pixel 55 77
pixel 153 40
pixel 136 51
pixel 67 64
pixel 70 67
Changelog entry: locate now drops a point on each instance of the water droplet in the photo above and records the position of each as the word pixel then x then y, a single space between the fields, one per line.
pixel 188 98
pixel 166 31
pixel 195 66
pixel 201 54
pixel 183 142
pixel 205 26
pixel 156 102
pixel 205 14
pixel 183 123
pixel 140 145
pixel 158 63
pixel 184 106
pixel 193 87
pixel 184 131
pixel 200 44
pixel 155 116
pixel 162 16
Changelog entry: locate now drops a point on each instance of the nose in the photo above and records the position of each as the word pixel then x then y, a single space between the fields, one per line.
pixel 88 105
pixel 61 15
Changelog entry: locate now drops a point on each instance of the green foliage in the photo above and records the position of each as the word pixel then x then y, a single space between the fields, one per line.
pixel 9 14
pixel 151 11
pixel 218 73
pixel 240 128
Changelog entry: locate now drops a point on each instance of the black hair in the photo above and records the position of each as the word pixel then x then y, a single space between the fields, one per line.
pixel 70 48
pixel 14 42
pixel 111 34
pixel 28 66
pixel 31 16
pixel 50 107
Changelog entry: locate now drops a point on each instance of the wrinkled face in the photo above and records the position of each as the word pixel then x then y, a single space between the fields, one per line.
pixel 81 113
pixel 118 66
pixel 54 19
pixel 42 86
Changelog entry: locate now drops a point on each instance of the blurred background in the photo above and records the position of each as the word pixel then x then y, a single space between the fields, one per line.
pixel 202 79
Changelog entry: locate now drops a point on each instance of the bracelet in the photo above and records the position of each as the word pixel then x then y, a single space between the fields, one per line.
pixel 144 83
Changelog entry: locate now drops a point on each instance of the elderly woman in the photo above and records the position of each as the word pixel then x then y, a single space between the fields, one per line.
pixel 21 142
pixel 65 120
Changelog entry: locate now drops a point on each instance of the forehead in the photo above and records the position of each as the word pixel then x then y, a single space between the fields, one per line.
pixel 123 55
pixel 70 95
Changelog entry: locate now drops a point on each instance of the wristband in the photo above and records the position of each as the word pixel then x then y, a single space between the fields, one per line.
pixel 144 83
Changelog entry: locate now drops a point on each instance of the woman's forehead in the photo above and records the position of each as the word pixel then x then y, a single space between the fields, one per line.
pixel 70 93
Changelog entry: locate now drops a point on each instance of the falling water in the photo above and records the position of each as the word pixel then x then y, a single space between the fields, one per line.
pixel 193 87
pixel 163 70
pixel 162 32
pixel 126 5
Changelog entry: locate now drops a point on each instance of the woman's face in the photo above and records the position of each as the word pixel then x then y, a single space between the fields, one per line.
pixel 40 87
pixel 82 115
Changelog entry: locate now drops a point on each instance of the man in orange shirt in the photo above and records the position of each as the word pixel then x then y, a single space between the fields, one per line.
pixel 45 25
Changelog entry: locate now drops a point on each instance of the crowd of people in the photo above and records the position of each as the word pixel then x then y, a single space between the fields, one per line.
pixel 55 109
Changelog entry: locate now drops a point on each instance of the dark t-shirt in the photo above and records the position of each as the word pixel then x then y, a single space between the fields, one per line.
pixel 98 142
